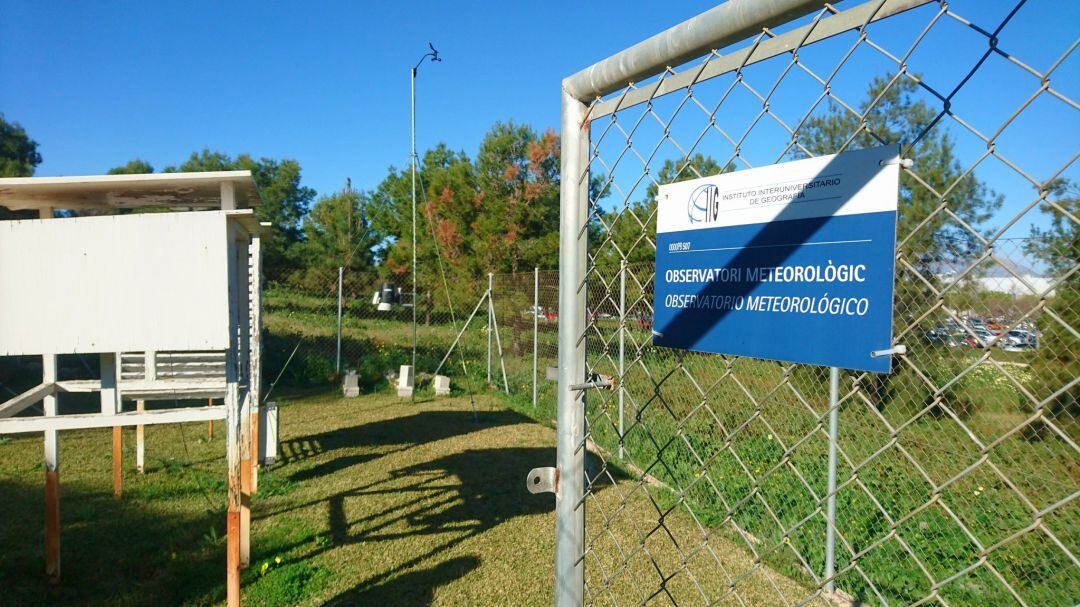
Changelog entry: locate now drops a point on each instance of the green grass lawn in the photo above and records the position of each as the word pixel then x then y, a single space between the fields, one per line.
pixel 374 501
pixel 742 443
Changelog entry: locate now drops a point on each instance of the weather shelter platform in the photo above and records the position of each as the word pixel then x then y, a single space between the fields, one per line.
pixel 169 302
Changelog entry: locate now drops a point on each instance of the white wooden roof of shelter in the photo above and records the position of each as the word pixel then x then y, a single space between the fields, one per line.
pixel 150 190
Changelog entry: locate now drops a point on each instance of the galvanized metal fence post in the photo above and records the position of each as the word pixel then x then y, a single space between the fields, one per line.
pixel 570 455
pixel 830 503
pixel 536 325
pixel 622 346
pixel 491 314
pixel 340 283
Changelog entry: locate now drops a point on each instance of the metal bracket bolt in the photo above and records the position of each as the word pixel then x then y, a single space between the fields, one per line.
pixel 907 163
pixel 897 349
pixel 596 381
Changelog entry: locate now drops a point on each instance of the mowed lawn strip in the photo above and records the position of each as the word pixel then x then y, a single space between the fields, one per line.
pixel 374 501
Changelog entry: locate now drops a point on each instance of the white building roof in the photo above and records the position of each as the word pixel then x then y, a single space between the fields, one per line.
pixel 151 190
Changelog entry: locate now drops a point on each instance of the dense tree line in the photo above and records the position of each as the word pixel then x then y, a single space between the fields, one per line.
pixel 496 212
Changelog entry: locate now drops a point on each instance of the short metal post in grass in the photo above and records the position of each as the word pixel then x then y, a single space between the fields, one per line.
pixel 491 312
pixel 830 504
pixel 622 346
pixel 340 281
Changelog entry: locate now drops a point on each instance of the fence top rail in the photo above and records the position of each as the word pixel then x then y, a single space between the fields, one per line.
pixel 714 29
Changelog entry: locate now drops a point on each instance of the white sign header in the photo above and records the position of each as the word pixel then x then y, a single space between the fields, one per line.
pixel 824 186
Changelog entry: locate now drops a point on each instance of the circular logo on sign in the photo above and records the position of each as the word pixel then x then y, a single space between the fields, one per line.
pixel 701 206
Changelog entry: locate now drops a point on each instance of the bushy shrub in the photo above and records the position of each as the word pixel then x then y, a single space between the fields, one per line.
pixel 311 369
pixel 982 388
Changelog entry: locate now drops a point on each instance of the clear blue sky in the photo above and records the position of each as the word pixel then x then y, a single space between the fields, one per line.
pixel 98 84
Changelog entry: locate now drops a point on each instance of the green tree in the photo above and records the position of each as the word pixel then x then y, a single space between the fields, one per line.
pixel 1058 359
pixel 518 177
pixel 18 152
pixel 338 233
pixel 499 213
pixel 284 202
pixel 137 166
pixel 895 115
pixel 632 232
pixel 1058 246
pixel 18 158
pixel 927 237
pixel 447 204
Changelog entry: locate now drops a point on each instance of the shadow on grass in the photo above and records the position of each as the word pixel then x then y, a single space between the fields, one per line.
pixel 458 494
pixel 416 588
pixel 421 428
pixel 470 492
pixel 450 499
pixel 150 556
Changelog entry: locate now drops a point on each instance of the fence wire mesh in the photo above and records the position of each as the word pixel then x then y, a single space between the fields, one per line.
pixel 957 474
pixel 301 335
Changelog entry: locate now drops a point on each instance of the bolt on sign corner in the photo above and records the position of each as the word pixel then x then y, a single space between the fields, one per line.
pixel 791 262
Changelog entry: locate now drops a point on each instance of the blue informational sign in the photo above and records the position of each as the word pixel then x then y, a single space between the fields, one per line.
pixel 791 262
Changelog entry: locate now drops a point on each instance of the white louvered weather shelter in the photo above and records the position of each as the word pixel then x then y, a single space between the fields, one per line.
pixel 169 302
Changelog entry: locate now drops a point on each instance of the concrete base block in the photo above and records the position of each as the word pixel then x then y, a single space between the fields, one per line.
pixel 268 433
pixel 406 381
pixel 351 386
pixel 442 385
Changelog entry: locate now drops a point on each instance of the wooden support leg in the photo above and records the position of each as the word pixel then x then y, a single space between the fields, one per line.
pixel 245 514
pixel 232 446
pixel 117 461
pixel 245 482
pixel 140 450
pixel 232 578
pixel 52 525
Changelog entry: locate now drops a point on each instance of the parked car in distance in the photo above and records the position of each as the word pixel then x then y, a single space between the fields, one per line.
pixel 984 335
pixel 1020 340
pixel 942 337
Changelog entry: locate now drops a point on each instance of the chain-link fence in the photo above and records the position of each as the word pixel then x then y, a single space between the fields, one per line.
pixel 704 479
pixel 526 309
pixel 308 344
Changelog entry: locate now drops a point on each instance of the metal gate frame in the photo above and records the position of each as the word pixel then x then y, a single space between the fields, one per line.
pixel 582 102
pixel 716 28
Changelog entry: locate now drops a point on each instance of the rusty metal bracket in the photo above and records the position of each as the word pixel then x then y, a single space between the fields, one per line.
pixel 542 480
